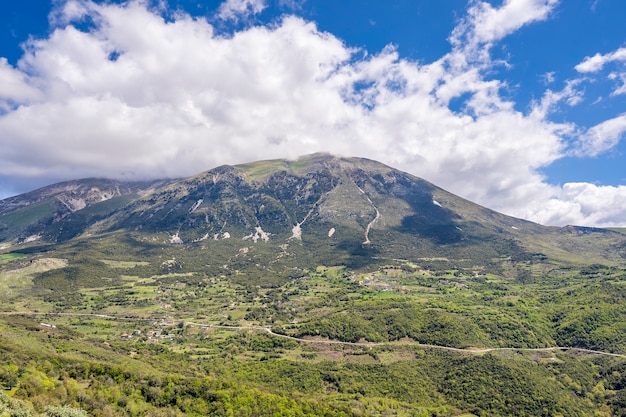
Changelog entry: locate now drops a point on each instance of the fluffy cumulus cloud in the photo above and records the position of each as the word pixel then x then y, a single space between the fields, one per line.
pixel 14 87
pixel 596 204
pixel 139 96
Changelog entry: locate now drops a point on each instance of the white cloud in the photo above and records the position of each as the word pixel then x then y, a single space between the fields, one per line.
pixel 620 89
pixel 584 203
pixel 235 9
pixel 14 87
pixel 471 42
pixel 595 64
pixel 602 137
pixel 139 96
pixel 598 61
pixel 549 77
pixel 486 24
pixel 570 94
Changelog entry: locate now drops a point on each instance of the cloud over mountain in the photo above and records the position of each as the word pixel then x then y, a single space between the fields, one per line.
pixel 119 90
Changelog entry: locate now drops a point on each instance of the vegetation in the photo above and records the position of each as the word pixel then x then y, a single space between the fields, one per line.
pixel 165 305
pixel 130 328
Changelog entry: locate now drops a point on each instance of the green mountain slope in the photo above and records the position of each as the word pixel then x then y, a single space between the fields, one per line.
pixel 320 286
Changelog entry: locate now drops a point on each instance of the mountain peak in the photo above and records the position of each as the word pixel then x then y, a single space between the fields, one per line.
pixel 260 170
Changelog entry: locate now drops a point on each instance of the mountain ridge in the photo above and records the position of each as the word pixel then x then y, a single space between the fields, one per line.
pixel 28 215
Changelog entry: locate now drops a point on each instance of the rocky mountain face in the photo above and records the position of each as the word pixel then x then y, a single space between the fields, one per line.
pixel 320 200
pixel 333 210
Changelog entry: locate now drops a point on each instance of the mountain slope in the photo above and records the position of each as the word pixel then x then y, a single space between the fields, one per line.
pixel 38 213
pixel 319 209
pixel 349 206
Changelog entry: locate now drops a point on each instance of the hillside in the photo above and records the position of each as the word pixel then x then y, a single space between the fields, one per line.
pixel 39 214
pixel 320 286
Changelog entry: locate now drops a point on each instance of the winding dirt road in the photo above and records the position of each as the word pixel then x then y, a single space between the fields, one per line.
pixel 448 348
pixel 269 330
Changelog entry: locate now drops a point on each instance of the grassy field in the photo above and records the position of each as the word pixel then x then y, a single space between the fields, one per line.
pixel 6 257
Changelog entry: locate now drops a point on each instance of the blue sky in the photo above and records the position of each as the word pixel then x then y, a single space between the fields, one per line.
pixel 519 105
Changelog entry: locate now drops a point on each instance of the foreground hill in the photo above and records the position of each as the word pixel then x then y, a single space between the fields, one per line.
pixel 321 286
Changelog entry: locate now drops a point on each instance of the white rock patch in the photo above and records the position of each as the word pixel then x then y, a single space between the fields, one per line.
pixel 258 234
pixel 195 206
pixel 176 239
pixel 170 263
pixel 296 232
pixel 205 237
pixel 32 238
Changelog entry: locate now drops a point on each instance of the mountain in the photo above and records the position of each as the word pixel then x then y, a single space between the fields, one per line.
pixel 318 286
pixel 319 209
